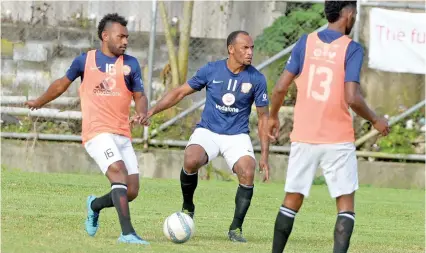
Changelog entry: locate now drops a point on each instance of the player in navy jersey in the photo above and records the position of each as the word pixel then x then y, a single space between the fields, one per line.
pixel 335 80
pixel 232 85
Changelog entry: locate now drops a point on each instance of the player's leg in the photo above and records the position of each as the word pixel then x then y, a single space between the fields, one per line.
pixel 200 150
pixel 238 153
pixel 131 164
pixel 302 165
pixel 130 161
pixel 104 150
pixel 105 201
pixel 341 174
pixel 344 223
pixel 244 169
pixel 132 186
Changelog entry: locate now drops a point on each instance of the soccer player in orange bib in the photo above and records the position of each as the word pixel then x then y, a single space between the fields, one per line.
pixel 110 79
pixel 326 67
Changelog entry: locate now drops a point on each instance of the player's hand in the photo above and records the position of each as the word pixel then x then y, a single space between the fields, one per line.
pixel 33 104
pixel 145 120
pixel 142 119
pixel 273 129
pixel 381 124
pixel 264 169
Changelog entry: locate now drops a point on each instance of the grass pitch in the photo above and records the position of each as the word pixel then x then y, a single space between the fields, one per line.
pixel 46 213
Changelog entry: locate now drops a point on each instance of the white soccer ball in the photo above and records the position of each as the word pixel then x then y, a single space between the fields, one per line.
pixel 179 227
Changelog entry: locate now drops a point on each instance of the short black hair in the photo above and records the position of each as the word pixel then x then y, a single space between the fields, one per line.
pixel 332 9
pixel 110 18
pixel 233 35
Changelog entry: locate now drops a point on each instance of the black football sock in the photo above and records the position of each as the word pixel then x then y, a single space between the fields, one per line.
pixel 282 230
pixel 188 184
pixel 121 203
pixel 102 202
pixel 343 231
pixel 242 204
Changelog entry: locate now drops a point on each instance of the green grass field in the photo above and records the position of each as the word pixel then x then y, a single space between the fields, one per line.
pixel 46 212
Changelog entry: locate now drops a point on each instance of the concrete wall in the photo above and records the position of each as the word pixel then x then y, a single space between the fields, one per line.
pixel 166 163
pixel 32 57
pixel 211 19
pixel 388 92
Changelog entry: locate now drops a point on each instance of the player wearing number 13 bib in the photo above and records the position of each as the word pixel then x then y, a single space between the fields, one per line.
pixel 326 68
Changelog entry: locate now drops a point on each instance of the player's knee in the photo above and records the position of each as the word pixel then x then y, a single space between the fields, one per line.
pixel 249 173
pixel 191 164
pixel 118 168
pixel 293 200
pixel 245 173
pixel 246 166
pixel 345 203
pixel 117 172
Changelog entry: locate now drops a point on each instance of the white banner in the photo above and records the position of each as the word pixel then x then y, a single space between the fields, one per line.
pixel 397 41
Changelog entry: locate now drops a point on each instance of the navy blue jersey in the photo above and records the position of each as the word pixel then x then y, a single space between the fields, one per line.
pixel 131 69
pixel 229 96
pixel 353 61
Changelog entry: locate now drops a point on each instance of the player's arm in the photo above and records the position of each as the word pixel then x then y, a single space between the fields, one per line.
pixel 356 101
pixel 353 95
pixel 262 107
pixel 280 92
pixel 171 98
pixel 59 86
pixel 56 89
pixel 141 107
pixel 141 102
pixel 263 115
pixel 292 69
pixel 196 83
pixel 277 99
pixel 136 86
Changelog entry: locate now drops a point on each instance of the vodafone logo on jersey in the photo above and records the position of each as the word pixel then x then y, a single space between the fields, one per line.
pixel 228 99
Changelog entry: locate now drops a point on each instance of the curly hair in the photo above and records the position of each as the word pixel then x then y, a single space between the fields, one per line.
pixel 108 19
pixel 332 9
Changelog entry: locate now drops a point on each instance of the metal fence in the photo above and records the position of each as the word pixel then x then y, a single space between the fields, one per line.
pixel 35 56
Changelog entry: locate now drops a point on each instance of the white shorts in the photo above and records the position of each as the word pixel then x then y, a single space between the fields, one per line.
pixel 338 162
pixel 231 147
pixel 107 149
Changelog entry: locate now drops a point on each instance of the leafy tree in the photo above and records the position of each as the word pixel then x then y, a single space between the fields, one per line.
pixel 299 19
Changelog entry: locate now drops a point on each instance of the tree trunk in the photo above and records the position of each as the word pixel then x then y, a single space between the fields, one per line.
pixel 170 45
pixel 185 36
